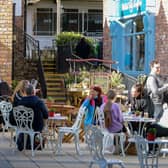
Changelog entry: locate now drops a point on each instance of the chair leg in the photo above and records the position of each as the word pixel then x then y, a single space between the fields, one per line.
pixel 32 144
pixel 122 139
pixel 59 144
pixel 25 140
pixel 76 139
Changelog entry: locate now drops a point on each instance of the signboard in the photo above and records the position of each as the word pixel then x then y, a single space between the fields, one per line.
pixel 132 7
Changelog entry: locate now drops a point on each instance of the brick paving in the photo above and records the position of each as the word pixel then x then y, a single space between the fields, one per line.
pixel 10 158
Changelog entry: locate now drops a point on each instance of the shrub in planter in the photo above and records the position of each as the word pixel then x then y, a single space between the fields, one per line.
pixel 72 39
pixel 66 44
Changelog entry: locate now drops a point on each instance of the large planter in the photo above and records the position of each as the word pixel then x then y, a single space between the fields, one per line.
pixel 63 53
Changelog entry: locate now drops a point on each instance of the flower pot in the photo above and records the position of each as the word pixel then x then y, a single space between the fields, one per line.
pixel 150 137
pixel 51 113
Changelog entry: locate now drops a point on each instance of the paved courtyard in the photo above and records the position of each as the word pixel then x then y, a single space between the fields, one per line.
pixel 47 159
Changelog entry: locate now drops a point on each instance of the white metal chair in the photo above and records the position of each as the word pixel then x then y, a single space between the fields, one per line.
pixel 94 139
pixel 108 139
pixel 24 119
pixel 147 158
pixel 73 130
pixel 6 109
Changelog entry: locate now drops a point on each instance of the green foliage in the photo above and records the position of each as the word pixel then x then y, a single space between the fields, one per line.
pixel 50 99
pixel 152 131
pixel 66 38
pixel 14 84
pixel 80 76
pixel 116 79
pixel 72 38
pixel 142 79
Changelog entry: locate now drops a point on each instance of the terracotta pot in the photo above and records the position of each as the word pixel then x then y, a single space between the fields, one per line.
pixel 150 137
pixel 51 113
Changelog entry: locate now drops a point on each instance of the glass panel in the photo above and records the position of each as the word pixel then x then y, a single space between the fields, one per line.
pixel 70 20
pixel 45 22
pixel 95 21
pixel 140 53
pixel 134 42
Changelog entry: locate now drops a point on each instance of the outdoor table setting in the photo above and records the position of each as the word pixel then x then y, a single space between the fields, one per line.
pixel 129 118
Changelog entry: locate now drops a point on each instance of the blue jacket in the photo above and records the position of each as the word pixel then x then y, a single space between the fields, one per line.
pixel 90 112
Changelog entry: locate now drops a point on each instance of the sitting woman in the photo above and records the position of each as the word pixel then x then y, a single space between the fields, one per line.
pixel 113 121
pixel 137 101
pixel 95 99
pixel 112 113
pixel 19 91
pixel 138 104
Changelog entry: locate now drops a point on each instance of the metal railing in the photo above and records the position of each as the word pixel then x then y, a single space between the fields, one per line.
pixel 28 47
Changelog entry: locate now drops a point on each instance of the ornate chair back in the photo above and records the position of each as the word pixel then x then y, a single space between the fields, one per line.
pixel 6 108
pixel 94 139
pixel 24 117
pixel 146 159
pixel 79 118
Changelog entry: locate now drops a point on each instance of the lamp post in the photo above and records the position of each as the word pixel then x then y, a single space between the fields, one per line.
pixel 25 25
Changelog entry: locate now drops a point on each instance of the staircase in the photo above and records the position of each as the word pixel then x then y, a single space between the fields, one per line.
pixel 54 81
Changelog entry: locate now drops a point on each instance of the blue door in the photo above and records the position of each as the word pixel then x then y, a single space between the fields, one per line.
pixel 133 44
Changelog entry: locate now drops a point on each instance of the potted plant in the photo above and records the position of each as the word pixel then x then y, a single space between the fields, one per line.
pixel 116 80
pixel 49 101
pixel 66 44
pixel 51 112
pixel 151 134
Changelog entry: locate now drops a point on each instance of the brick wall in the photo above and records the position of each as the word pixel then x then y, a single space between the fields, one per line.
pixel 161 34
pixel 107 43
pixel 6 13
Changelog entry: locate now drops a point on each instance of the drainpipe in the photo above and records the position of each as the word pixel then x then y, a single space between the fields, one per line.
pixel 58 16
pixel 25 25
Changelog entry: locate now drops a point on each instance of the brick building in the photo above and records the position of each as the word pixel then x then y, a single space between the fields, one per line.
pixel 6 29
pixel 154 46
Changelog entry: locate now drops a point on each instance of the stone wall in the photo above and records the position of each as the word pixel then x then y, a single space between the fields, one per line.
pixel 6 19
pixel 162 34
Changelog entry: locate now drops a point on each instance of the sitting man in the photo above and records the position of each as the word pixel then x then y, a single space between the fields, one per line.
pixel 40 113
pixel 38 106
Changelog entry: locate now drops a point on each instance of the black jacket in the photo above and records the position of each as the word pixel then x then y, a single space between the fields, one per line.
pixel 40 110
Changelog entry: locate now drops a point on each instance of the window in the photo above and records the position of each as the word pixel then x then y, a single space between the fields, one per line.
pixel 90 22
pixel 133 43
pixel 45 22
pixel 95 21
pixel 70 20
pixel 134 40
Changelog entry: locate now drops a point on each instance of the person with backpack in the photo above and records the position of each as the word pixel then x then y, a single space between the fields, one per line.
pixel 156 89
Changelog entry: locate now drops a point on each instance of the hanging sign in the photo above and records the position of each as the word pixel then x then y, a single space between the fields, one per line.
pixel 132 7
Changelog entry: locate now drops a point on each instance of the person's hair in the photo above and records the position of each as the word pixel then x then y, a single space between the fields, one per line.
pixel 139 88
pixel 99 90
pixel 107 108
pixel 20 88
pixel 29 90
pixel 154 62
